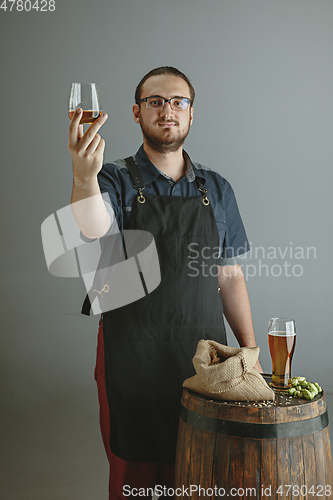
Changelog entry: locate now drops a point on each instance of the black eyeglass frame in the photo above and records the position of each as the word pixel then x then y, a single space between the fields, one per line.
pixel 187 99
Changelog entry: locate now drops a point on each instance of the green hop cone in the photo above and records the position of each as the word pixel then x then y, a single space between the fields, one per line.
pixel 318 387
pixel 297 380
pixel 302 388
pixel 312 388
pixel 306 394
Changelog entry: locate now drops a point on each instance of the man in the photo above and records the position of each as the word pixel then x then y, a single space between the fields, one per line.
pixel 145 349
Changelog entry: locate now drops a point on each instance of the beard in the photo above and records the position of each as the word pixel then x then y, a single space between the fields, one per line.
pixel 164 140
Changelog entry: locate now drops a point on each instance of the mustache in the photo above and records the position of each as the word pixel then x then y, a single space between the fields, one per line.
pixel 168 121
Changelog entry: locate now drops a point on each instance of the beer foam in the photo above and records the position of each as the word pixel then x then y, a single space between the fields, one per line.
pixel 282 334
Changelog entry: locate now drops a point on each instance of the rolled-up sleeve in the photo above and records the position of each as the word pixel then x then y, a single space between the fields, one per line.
pixel 234 245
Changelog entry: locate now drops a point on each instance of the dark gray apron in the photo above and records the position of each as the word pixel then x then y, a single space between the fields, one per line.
pixel 149 344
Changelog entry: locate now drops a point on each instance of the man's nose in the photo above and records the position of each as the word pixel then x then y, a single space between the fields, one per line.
pixel 166 110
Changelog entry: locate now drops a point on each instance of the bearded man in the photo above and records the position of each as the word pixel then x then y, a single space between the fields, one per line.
pixel 145 348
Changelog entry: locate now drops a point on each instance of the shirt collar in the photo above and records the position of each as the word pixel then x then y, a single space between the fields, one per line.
pixel 149 172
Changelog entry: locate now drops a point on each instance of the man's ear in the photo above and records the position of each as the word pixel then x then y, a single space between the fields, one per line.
pixel 136 113
pixel 191 116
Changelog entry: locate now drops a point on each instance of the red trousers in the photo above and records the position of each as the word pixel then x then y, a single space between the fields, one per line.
pixel 134 474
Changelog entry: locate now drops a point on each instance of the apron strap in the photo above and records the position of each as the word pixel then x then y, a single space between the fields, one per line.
pixel 134 171
pixel 200 181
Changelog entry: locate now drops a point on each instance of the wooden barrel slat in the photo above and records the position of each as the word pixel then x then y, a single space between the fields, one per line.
pixel 196 444
pixel 183 450
pixel 253 415
pixel 252 475
pixel 321 404
pixel 213 452
pixel 237 461
pixel 221 461
pixel 268 466
pixel 222 451
pixel 283 415
pixel 283 461
pixel 208 451
pixel 268 450
pixel 296 454
pixel 190 451
pixel 310 468
pixel 320 457
pixel 266 415
pixel 184 443
pixel 327 453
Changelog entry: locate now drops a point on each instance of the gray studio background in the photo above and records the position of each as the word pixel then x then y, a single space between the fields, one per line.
pixel 263 75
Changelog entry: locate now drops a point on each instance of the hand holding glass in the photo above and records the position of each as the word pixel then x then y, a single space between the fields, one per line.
pixel 281 341
pixel 85 96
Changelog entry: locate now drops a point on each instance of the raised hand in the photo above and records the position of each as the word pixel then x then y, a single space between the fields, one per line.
pixel 86 149
pixel 87 153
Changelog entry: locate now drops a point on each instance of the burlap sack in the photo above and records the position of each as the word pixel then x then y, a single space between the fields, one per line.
pixel 227 373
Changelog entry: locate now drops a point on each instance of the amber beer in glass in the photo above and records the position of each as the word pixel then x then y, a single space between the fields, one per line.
pixel 281 341
pixel 85 96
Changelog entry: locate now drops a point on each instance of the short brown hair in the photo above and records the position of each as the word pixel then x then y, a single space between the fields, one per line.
pixel 163 70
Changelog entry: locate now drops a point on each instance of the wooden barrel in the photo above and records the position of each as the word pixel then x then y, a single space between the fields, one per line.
pixel 257 450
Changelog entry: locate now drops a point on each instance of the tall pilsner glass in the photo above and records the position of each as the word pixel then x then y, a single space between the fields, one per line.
pixel 281 341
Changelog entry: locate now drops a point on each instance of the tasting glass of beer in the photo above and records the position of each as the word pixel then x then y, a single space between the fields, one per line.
pixel 281 341
pixel 85 96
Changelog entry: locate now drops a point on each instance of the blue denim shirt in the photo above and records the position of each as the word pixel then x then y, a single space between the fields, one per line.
pixel 115 179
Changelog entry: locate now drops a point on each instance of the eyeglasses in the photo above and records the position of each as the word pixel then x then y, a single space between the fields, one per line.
pixel 177 103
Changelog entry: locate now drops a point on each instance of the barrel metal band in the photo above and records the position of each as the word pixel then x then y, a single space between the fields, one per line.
pixel 252 430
